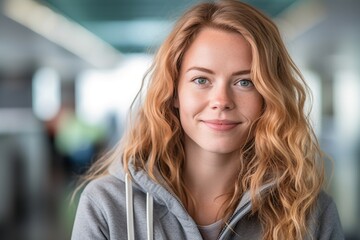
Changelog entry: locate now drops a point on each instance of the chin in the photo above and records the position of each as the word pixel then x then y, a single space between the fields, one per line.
pixel 222 149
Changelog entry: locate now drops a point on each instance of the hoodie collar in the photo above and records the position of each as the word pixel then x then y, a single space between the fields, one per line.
pixel 163 194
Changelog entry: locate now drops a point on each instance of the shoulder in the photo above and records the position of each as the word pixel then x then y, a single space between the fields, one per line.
pixel 100 210
pixel 104 185
pixel 104 190
pixel 324 221
pixel 325 204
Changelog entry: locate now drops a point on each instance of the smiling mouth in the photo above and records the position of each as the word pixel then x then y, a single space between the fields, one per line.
pixel 221 125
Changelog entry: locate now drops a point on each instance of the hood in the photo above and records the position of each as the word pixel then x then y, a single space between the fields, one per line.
pixel 162 193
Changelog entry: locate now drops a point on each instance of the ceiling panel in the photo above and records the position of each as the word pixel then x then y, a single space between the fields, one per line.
pixel 137 25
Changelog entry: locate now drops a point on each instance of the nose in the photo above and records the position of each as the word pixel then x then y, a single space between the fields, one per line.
pixel 221 98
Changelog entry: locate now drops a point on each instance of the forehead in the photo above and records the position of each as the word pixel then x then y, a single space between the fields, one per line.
pixel 218 48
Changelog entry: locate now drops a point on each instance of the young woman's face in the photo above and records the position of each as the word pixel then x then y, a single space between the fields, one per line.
pixel 217 100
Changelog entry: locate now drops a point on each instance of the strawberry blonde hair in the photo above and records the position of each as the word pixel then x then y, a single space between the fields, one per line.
pixel 283 148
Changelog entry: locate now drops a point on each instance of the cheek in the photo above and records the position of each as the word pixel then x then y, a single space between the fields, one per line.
pixel 187 104
pixel 189 109
pixel 187 100
pixel 254 106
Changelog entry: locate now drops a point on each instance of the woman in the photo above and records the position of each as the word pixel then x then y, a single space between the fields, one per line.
pixel 220 147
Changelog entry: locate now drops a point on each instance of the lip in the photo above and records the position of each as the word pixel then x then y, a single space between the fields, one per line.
pixel 221 125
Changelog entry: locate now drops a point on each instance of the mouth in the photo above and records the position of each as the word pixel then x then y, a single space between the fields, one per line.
pixel 221 125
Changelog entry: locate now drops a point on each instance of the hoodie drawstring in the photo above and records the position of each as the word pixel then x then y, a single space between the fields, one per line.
pixel 130 211
pixel 129 208
pixel 149 216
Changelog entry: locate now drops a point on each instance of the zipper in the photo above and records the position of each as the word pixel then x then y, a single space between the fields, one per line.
pixel 231 219
pixel 263 188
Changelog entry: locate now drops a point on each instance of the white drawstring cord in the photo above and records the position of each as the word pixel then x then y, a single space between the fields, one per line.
pixel 130 211
pixel 149 216
pixel 129 208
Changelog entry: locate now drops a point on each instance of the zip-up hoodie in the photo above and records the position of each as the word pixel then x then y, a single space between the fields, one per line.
pixel 113 207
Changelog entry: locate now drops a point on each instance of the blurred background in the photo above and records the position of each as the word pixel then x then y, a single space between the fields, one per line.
pixel 69 70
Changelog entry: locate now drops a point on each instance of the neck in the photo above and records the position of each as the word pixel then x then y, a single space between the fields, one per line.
pixel 211 172
pixel 210 178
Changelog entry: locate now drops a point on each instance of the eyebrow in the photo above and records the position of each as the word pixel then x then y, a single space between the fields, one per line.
pixel 202 69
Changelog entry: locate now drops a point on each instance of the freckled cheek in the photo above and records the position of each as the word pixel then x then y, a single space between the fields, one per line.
pixel 252 106
pixel 187 102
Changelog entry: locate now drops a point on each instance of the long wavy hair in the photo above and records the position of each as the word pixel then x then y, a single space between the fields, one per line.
pixel 283 148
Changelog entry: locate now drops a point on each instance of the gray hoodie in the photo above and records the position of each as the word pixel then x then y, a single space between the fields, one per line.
pixel 103 213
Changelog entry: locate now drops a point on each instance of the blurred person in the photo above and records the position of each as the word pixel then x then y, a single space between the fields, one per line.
pixel 73 142
pixel 220 147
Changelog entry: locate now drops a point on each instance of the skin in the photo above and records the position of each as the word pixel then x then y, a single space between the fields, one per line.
pixel 217 103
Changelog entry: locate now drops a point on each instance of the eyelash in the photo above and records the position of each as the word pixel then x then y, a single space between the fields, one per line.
pixel 245 80
pixel 196 81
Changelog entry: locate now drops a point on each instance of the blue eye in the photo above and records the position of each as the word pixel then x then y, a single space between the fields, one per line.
pixel 245 83
pixel 201 81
